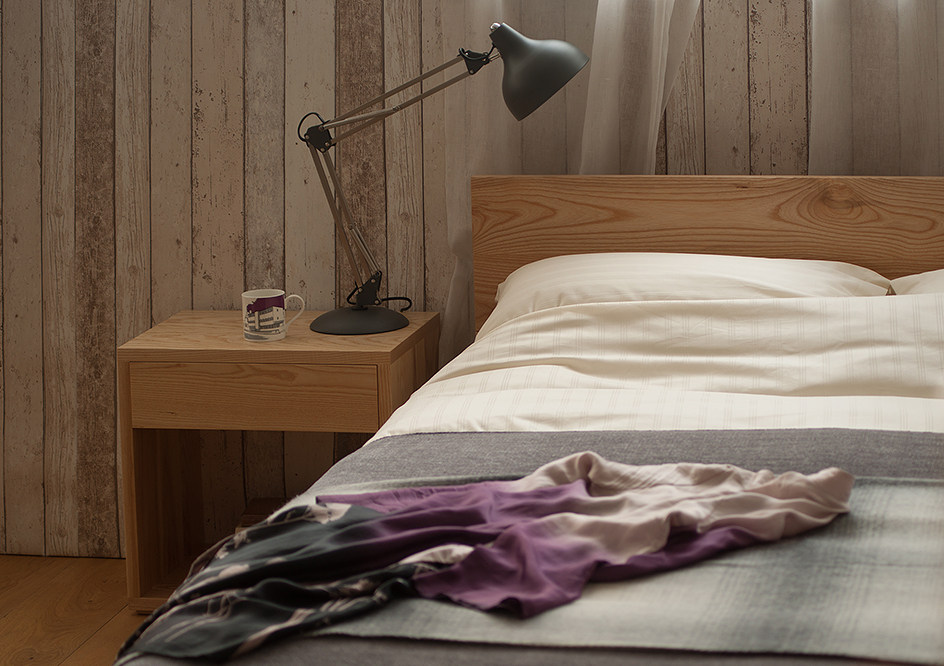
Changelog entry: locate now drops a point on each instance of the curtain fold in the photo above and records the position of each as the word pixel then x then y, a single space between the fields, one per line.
pixel 877 89
pixel 610 111
pixel 637 47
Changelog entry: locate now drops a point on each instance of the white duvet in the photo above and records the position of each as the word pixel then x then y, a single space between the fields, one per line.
pixel 850 362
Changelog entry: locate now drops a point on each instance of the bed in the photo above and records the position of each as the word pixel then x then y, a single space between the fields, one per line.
pixel 789 324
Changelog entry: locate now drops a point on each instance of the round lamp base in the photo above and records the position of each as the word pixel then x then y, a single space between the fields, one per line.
pixel 364 321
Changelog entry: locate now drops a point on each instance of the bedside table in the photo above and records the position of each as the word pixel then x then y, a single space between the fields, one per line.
pixel 195 371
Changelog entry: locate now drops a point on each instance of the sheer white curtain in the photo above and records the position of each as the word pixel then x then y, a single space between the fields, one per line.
pixel 877 100
pixel 605 121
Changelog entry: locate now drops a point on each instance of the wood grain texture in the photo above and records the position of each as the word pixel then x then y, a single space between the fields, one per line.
pixel 254 396
pixel 102 646
pixel 90 592
pixel 95 279
pixel 727 132
pixel 438 259
pixel 164 524
pixel 54 606
pixel 403 154
pixel 170 146
pixel 132 169
pixel 218 165
pixel 309 87
pixel 265 136
pixel 3 522
pixel 777 57
pixel 212 336
pixel 223 470
pixel 22 279
pixel 894 226
pixel 360 158
pixel 921 87
pixel 407 373
pixel 194 370
pixel 59 272
pixel 875 128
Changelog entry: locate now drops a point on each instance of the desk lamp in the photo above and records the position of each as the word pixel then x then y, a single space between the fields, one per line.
pixel 534 71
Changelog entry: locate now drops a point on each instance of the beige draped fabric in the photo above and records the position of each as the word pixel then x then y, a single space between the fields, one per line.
pixel 605 121
pixel 877 101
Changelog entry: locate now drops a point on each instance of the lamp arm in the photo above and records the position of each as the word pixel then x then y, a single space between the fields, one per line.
pixel 399 89
pixel 474 62
pixel 323 163
pixel 374 118
pixel 319 141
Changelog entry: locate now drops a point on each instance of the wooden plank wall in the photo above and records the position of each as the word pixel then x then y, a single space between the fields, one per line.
pixel 149 163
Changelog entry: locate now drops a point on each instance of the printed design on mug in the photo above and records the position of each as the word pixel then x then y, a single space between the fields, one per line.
pixel 264 317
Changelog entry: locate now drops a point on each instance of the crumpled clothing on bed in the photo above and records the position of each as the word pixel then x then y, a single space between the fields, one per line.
pixel 527 546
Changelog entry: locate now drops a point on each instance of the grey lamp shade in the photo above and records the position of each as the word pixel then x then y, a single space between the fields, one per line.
pixel 535 69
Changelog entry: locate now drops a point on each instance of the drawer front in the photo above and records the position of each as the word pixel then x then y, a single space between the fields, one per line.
pixel 241 396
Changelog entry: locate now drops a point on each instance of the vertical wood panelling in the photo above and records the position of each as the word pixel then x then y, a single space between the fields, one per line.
pixel 132 177
pixel 360 158
pixel 152 165
pixel 920 24
pixel 218 224
pixel 309 87
pixel 661 167
pixel 875 129
pixel 265 116
pixel 265 203
pixel 438 258
pixel 59 295
pixel 218 144
pixel 727 132
pixel 132 169
pixel 3 511
pixel 940 83
pixel 777 60
pixel 22 279
pixel 170 158
pixel 403 154
pixel 95 277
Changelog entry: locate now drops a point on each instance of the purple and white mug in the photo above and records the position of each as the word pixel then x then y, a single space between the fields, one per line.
pixel 264 314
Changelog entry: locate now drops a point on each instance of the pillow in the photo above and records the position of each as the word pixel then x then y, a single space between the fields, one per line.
pixel 931 282
pixel 646 276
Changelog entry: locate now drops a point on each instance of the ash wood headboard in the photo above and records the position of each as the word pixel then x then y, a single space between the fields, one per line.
pixel 893 225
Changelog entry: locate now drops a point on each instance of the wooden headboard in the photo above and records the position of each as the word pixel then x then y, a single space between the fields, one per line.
pixel 893 225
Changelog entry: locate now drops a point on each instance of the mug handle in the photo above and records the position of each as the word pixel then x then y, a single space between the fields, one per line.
pixel 299 312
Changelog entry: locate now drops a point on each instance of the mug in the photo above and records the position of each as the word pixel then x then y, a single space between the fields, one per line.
pixel 264 314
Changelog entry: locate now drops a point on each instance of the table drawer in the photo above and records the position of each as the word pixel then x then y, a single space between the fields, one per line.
pixel 242 396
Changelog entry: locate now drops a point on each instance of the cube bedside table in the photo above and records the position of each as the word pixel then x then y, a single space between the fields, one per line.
pixel 195 371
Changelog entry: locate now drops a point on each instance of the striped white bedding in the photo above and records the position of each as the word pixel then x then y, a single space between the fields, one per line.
pixel 849 362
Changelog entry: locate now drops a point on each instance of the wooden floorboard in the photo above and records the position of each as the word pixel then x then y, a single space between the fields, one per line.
pixel 62 611
pixel 102 646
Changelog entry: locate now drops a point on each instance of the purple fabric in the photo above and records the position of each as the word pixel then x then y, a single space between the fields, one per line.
pixel 527 568
pixel 527 545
